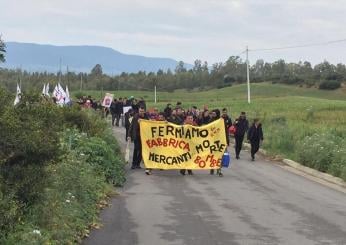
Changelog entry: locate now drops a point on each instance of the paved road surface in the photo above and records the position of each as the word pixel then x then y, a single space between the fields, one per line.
pixel 254 203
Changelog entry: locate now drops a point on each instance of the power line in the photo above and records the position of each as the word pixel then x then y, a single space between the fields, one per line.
pixel 299 46
pixel 241 53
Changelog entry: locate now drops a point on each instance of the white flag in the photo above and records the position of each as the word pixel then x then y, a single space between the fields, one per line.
pixel 47 90
pixel 18 95
pixel 67 92
pixel 55 92
pixel 67 98
pixel 59 94
pixel 44 89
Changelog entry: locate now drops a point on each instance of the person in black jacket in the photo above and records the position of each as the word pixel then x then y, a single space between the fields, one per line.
pixel 241 125
pixel 168 111
pixel 228 123
pixel 255 136
pixel 118 110
pixel 128 119
pixel 113 110
pixel 134 133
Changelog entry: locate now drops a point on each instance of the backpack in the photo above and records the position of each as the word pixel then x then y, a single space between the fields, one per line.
pixel 232 129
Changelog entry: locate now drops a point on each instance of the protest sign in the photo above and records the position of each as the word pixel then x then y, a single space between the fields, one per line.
pixel 107 101
pixel 126 108
pixel 169 146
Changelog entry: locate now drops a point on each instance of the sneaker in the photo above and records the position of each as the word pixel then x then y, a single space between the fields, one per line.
pixel 237 157
pixel 220 174
pixel 147 172
pixel 190 172
pixel 133 167
pixel 182 172
pixel 139 167
pixel 211 172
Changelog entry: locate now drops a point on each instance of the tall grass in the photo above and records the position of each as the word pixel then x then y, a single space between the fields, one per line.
pixel 290 115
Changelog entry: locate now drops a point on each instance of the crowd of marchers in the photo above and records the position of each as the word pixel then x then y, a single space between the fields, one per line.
pixel 177 114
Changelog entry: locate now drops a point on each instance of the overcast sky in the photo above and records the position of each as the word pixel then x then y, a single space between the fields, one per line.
pixel 210 30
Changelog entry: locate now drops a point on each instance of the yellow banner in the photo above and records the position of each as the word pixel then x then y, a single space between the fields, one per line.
pixel 169 146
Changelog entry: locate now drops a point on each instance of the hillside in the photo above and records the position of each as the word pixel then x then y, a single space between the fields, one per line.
pixel 37 57
pixel 234 93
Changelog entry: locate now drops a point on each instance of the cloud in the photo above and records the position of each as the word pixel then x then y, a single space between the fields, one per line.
pixel 207 29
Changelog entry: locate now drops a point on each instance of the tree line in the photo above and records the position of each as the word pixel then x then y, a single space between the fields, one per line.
pixel 323 75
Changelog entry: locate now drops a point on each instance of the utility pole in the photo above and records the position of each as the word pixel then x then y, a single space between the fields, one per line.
pixel 60 70
pixel 68 82
pixel 20 78
pixel 247 75
pixel 81 81
pixel 155 94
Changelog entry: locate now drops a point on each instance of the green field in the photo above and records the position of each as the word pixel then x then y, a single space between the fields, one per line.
pixel 295 120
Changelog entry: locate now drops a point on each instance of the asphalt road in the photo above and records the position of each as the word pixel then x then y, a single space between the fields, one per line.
pixel 257 202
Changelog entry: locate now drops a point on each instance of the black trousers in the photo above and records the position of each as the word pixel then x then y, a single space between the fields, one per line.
pixel 238 143
pixel 127 127
pixel 117 117
pixel 113 118
pixel 137 153
pixel 254 147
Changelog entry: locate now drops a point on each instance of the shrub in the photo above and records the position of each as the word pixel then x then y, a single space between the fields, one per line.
pixel 10 212
pixel 330 85
pixel 39 166
pixel 338 163
pixel 78 94
pixel 85 120
pixel 101 153
pixel 68 205
pixel 323 152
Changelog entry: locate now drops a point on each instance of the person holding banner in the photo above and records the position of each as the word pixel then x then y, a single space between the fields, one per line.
pixel 188 121
pixel 215 115
pixel 134 133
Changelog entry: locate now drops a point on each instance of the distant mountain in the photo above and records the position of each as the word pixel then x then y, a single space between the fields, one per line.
pixel 37 57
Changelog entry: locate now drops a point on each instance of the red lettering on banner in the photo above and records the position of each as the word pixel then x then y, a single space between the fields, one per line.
pixel 211 160
pixel 201 163
pixel 181 144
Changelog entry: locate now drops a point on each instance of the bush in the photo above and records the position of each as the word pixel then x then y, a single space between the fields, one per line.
pixel 10 212
pixel 68 205
pixel 338 163
pixel 85 120
pixel 40 168
pixel 79 94
pixel 330 85
pixel 101 153
pixel 324 152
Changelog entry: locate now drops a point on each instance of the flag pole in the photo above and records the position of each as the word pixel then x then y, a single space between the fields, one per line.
pixel 247 75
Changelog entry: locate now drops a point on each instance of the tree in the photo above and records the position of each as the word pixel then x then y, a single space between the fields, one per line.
pixel 2 50
pixel 97 70
pixel 180 67
pixel 198 66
